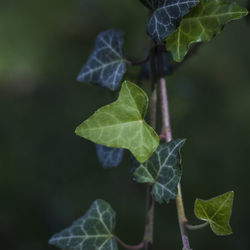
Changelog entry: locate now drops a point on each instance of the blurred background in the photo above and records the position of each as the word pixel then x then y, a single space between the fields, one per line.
pixel 49 176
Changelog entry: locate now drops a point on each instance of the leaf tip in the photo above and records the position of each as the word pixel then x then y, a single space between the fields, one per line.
pixel 77 130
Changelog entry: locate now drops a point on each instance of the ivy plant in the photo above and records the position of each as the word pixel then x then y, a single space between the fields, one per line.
pixel 173 27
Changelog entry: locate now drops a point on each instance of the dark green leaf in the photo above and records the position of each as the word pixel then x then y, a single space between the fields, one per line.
pixel 106 65
pixel 203 22
pixel 163 170
pixel 216 211
pixel 109 157
pixel 166 17
pixel 92 231
pixel 121 124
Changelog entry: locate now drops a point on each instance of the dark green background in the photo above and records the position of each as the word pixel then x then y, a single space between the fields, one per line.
pixel 49 176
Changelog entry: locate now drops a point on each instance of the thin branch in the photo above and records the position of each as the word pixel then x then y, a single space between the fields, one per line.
pixel 133 247
pixel 148 235
pixel 149 228
pixel 166 126
pixel 182 219
pixel 197 227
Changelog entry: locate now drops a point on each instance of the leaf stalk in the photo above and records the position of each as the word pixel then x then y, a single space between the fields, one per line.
pixel 132 247
pixel 197 227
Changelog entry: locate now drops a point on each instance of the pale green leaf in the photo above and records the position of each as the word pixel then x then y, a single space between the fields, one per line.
pixel 93 231
pixel 121 124
pixel 162 170
pixel 216 211
pixel 201 24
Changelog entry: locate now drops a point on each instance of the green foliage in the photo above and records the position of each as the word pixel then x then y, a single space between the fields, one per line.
pixel 163 170
pixel 166 16
pixel 217 212
pixel 121 124
pixel 92 231
pixel 203 22
pixel 106 65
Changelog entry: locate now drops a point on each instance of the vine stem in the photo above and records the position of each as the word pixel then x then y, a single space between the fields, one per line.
pixel 167 131
pixel 150 205
pixel 132 247
pixel 166 128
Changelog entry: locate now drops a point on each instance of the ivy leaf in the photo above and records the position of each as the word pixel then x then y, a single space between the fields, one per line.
pixel 217 212
pixel 109 157
pixel 166 17
pixel 121 124
pixel 163 170
pixel 92 231
pixel 203 22
pixel 106 65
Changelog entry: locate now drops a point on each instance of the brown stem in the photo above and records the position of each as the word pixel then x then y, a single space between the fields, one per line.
pixel 166 127
pixel 148 236
pixel 182 219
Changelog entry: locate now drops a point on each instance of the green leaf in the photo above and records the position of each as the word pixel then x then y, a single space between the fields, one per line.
pixel 121 125
pixel 201 24
pixel 106 65
pixel 216 211
pixel 163 170
pixel 92 231
pixel 166 17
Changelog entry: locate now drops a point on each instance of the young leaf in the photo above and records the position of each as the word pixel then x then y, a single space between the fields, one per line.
pixel 109 157
pixel 121 125
pixel 203 22
pixel 92 231
pixel 105 65
pixel 217 212
pixel 166 17
pixel 163 170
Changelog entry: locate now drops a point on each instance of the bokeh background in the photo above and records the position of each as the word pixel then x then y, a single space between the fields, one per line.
pixel 49 176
